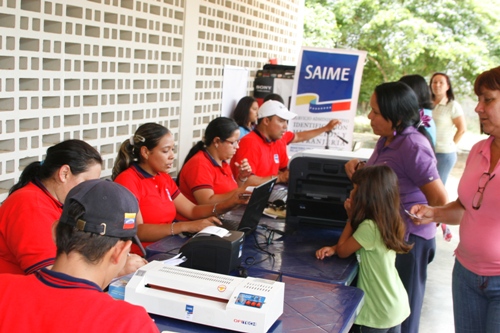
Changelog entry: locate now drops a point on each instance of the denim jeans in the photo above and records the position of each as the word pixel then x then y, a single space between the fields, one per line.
pixel 476 301
pixel 445 162
pixel 365 329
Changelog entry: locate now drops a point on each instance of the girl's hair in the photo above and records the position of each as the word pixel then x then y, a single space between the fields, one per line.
pixel 221 127
pixel 242 110
pixel 419 86
pixel 77 154
pixel 399 104
pixel 148 135
pixel 377 198
pixel 449 92
pixel 489 79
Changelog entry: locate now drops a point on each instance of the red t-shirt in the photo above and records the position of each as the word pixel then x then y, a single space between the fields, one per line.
pixel 202 172
pixel 49 301
pixel 155 195
pixel 26 219
pixel 265 157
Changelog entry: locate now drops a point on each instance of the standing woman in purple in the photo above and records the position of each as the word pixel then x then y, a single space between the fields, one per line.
pixel 405 147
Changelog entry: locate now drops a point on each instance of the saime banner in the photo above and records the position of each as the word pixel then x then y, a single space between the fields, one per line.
pixel 326 87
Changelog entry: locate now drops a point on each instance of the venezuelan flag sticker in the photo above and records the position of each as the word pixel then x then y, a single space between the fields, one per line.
pixel 129 221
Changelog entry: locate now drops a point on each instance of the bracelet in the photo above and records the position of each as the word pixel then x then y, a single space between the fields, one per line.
pixel 242 180
pixel 172 228
pixel 358 164
pixel 214 211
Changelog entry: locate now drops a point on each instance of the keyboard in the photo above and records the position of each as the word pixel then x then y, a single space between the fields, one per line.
pixel 230 224
pixel 278 194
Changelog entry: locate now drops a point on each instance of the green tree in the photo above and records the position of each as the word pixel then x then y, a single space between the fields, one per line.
pixel 403 37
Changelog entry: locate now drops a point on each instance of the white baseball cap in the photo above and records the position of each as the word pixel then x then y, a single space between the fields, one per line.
pixel 275 108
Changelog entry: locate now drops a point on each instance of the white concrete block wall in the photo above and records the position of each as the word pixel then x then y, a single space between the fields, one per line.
pixel 97 69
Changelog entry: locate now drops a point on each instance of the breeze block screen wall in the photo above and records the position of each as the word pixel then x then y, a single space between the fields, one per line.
pixel 95 70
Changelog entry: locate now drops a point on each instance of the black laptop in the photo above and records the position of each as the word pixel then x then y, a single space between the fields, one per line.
pixel 247 217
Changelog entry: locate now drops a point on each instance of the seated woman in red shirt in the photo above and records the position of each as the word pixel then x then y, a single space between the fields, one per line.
pixel 142 166
pixel 36 202
pixel 206 175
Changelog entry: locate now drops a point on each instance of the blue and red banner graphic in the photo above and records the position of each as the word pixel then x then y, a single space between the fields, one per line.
pixel 326 81
pixel 326 86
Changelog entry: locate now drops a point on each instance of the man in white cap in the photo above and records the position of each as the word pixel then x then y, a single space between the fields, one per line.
pixel 265 146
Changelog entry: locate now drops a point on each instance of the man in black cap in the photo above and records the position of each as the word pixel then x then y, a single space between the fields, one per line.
pixel 93 239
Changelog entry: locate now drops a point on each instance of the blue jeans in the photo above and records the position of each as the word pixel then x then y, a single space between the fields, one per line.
pixel 476 301
pixel 445 162
pixel 365 329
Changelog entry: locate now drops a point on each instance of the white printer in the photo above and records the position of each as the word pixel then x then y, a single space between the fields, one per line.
pixel 230 302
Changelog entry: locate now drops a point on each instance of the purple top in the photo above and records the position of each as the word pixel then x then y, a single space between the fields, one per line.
pixel 411 157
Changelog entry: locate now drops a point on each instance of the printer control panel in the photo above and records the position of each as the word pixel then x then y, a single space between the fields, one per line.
pixel 253 301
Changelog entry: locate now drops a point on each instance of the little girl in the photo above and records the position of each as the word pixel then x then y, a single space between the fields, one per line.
pixel 375 231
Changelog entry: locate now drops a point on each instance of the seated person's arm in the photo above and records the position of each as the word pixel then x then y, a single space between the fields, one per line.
pixel 307 135
pixel 134 262
pixel 149 232
pixel 191 211
pixel 283 176
pixel 207 196
pixel 244 171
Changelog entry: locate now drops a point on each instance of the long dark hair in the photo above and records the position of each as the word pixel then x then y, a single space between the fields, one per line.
pixel 77 154
pixel 242 110
pixel 377 198
pixel 148 135
pixel 221 127
pixel 399 104
pixel 419 86
pixel 449 92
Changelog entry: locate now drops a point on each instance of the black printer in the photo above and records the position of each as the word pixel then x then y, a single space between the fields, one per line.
pixel 212 253
pixel 318 186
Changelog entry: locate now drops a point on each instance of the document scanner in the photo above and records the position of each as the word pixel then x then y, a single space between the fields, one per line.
pixel 224 301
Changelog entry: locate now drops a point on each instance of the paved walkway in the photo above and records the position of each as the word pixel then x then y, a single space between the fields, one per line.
pixel 437 311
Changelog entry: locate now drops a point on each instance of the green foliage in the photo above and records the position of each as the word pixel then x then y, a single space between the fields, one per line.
pixel 402 37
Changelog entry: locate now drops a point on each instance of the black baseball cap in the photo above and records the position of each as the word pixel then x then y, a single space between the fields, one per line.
pixel 110 209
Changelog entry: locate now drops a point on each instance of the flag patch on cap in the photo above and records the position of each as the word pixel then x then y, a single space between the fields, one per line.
pixel 129 221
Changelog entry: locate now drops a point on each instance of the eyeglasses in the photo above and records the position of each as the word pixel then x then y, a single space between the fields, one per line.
pixel 234 143
pixel 478 197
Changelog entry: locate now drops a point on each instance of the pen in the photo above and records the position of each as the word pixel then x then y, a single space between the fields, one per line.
pixel 341 138
pixel 338 136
